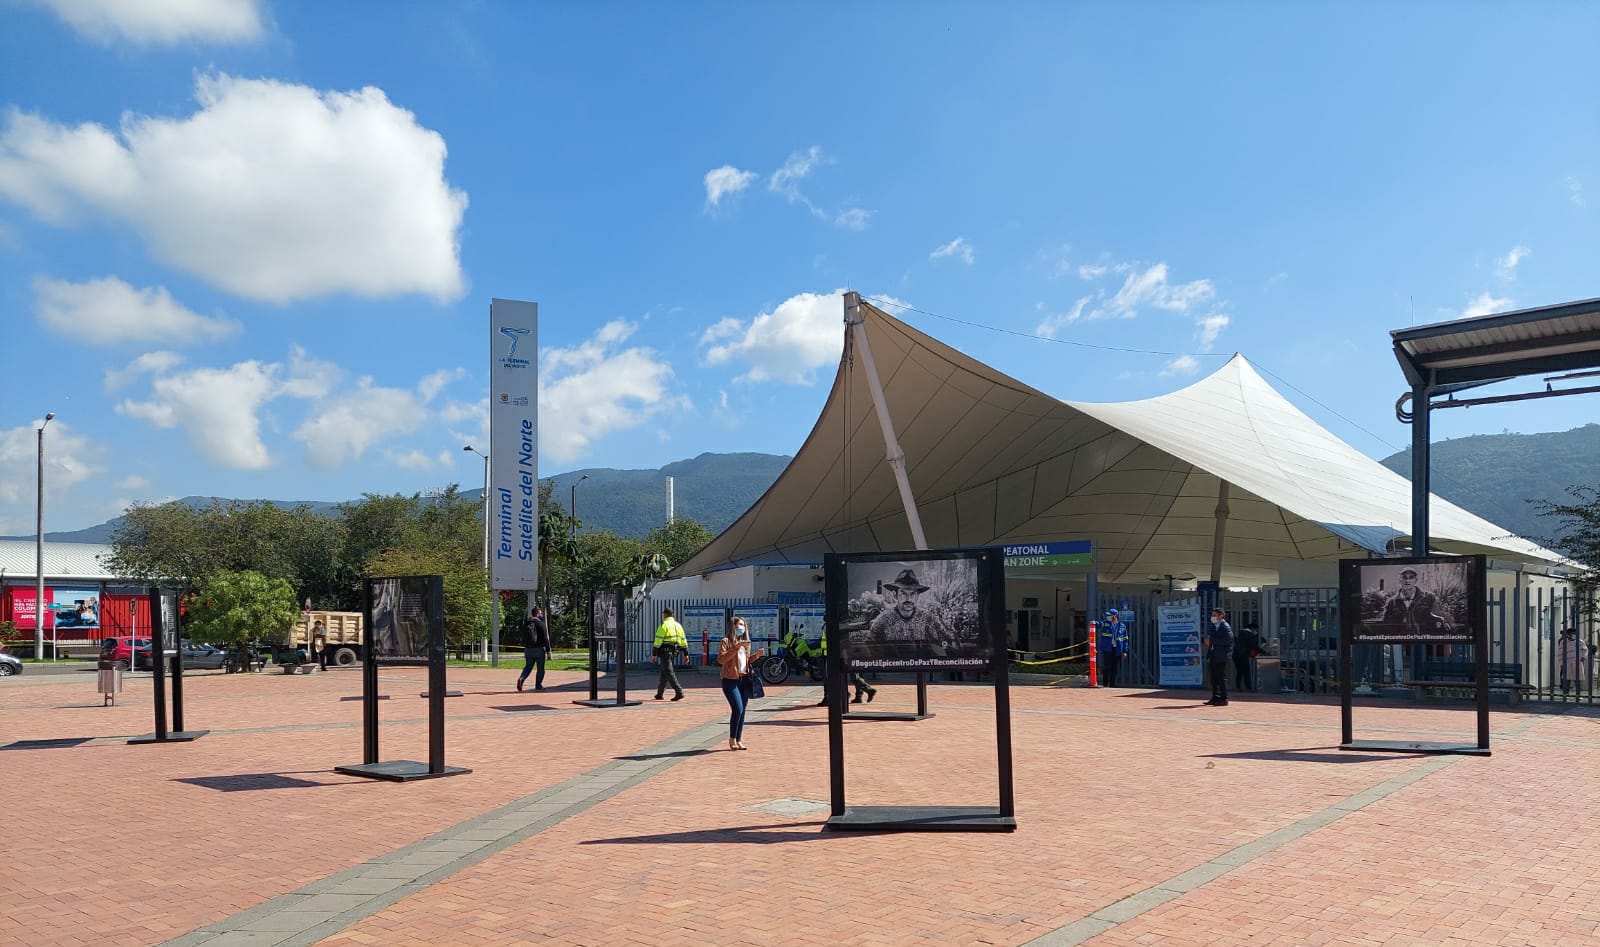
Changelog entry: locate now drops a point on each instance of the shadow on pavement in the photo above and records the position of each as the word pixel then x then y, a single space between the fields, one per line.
pixel 249 782
pixel 741 834
pixel 663 756
pixel 1310 754
pixel 60 744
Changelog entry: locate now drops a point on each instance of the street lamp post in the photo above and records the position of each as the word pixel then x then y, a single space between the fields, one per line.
pixel 572 536
pixel 38 552
pixel 488 574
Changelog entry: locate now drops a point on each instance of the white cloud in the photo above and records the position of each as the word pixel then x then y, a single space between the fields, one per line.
pixel 133 482
pixel 108 310
pixel 958 249
pixel 435 382
pixel 346 425
pixel 786 180
pixel 1150 288
pixel 69 459
pixel 853 218
pixel 594 390
pixel 271 191
pixel 1182 365
pixel 1207 328
pixel 1485 304
pixel 803 333
pixel 150 363
pixel 412 459
pixel 1091 271
pixel 726 180
pixel 216 407
pixel 467 422
pixel 1058 260
pixel 1054 322
pixel 1506 267
pixel 161 22
pixel 310 377
pixel 1574 191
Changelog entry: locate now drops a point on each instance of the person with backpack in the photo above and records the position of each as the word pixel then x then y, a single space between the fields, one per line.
pixel 1112 643
pixel 535 648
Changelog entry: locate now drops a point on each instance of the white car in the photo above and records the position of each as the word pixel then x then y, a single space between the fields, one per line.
pixel 9 665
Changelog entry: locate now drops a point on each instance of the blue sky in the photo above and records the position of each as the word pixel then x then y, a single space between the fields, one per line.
pixel 247 248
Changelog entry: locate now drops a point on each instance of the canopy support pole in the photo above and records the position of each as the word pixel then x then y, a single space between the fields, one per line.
pixel 1222 530
pixel 896 457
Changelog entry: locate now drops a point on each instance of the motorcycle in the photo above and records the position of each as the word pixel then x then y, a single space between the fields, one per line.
pixel 795 654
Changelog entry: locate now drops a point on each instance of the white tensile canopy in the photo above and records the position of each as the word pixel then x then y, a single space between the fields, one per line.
pixel 994 461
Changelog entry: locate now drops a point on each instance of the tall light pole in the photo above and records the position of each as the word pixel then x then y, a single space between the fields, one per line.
pixel 572 536
pixel 38 551
pixel 488 576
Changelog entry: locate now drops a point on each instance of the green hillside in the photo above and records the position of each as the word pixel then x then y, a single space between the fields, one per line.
pixel 1495 475
pixel 712 489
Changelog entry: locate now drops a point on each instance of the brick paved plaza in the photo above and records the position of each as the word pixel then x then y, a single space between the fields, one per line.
pixel 1143 818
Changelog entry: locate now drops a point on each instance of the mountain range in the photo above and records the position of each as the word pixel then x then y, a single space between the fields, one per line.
pixel 1492 475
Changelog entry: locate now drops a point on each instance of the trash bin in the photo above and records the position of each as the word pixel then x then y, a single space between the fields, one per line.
pixel 1269 674
pixel 110 681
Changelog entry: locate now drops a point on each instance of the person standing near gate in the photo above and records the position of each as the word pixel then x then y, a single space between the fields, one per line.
pixel 1244 653
pixel 670 642
pixel 1572 659
pixel 1219 650
pixel 1112 644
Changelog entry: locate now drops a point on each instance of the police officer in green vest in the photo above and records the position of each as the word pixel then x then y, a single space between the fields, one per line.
pixel 670 642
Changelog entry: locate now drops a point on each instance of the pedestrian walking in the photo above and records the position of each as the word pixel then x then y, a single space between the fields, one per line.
pixel 535 648
pixel 670 642
pixel 735 657
pixel 319 644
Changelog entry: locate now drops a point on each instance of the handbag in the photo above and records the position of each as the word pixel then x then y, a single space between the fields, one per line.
pixel 751 687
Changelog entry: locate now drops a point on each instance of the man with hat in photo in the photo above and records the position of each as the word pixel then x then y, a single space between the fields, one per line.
pixel 1410 609
pixel 903 629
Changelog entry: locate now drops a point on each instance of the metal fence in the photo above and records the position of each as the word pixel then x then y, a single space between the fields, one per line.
pixel 1300 627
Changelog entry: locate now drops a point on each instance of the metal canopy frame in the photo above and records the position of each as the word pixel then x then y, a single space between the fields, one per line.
pixel 1447 357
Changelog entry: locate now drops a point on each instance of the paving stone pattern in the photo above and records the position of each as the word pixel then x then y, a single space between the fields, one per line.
pixel 1144 818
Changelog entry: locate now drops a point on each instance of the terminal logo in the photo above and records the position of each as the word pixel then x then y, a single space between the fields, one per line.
pixel 515 335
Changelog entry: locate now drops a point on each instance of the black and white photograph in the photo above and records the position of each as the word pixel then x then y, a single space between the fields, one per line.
pixel 400 632
pixel 605 614
pixel 1413 600
pixel 914 613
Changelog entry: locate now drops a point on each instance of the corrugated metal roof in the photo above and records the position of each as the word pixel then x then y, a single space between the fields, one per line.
pixel 61 560
pixel 1564 337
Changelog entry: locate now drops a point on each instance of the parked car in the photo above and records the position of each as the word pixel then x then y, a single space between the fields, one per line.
pixel 9 665
pixel 194 656
pixel 120 649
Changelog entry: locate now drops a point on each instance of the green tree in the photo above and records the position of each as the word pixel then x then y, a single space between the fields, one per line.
pixel 1578 538
pixel 231 608
pixel 678 540
pixel 466 596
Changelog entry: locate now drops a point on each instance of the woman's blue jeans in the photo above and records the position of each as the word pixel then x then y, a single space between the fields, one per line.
pixel 730 690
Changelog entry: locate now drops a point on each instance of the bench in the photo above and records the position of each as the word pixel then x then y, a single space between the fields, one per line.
pixel 305 668
pixel 1463 676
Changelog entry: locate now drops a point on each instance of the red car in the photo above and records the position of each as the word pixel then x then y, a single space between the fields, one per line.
pixel 121 649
